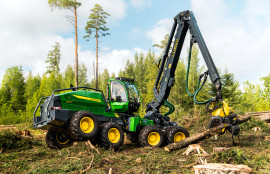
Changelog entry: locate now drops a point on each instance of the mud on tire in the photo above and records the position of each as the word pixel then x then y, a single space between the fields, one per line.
pixel 151 136
pixel 83 125
pixel 176 133
pixel 57 138
pixel 111 135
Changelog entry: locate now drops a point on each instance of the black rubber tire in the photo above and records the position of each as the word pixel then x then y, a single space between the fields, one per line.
pixel 75 129
pixel 133 137
pixel 171 131
pixel 57 138
pixel 104 135
pixel 144 133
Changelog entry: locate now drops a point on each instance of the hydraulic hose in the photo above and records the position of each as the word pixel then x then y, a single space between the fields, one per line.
pixel 199 85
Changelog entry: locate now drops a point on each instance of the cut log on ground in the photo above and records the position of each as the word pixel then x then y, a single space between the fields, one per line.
pixel 265 117
pixel 195 138
pixel 221 168
pixel 242 119
pixel 201 136
pixel 260 112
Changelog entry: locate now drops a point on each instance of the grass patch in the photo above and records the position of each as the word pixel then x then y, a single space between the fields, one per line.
pixel 253 151
pixel 9 140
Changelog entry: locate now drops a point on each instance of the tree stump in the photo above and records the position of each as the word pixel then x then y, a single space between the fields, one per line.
pixel 195 148
pixel 216 168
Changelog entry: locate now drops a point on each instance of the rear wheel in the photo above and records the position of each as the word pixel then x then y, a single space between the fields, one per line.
pixel 111 135
pixel 176 133
pixel 151 136
pixel 83 125
pixel 58 138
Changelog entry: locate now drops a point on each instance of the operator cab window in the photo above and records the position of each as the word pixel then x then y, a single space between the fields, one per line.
pixel 133 93
pixel 118 92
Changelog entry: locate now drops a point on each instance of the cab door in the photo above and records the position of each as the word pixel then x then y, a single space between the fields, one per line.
pixel 118 96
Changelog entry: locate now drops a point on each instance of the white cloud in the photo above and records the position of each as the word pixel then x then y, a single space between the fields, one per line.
pixel 160 29
pixel 115 60
pixel 141 3
pixel 116 8
pixel 29 29
pixel 236 41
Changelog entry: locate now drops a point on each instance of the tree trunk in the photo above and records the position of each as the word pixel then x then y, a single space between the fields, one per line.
pixel 76 46
pixel 94 71
pixel 97 56
pixel 195 138
pixel 222 168
pixel 201 136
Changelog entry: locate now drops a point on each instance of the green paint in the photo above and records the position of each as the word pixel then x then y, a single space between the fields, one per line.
pixel 85 100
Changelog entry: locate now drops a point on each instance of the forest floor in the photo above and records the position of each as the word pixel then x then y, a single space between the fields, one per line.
pixel 25 155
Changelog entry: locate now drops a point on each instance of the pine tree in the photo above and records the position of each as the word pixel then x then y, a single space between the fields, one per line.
pixel 68 76
pixel 230 88
pixel 82 76
pixel 13 88
pixel 97 26
pixel 53 59
pixel 71 5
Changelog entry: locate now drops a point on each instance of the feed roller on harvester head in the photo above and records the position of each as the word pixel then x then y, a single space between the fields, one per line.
pixel 84 113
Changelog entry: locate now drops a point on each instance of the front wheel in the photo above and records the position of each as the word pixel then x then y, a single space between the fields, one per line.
pixel 111 135
pixel 83 125
pixel 151 136
pixel 176 133
pixel 58 138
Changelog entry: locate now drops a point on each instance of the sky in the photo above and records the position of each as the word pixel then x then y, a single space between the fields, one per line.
pixel 237 33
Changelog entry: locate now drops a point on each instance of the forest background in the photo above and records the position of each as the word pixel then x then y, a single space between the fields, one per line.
pixel 20 91
pixel 19 95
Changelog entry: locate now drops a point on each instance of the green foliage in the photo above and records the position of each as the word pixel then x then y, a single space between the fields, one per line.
pixel 53 59
pixel 233 156
pixel 96 26
pixel 97 23
pixel 163 43
pixel 256 123
pixel 104 77
pixel 13 87
pixel 69 76
pixel 82 75
pixel 10 141
pixel 64 4
pixel 266 90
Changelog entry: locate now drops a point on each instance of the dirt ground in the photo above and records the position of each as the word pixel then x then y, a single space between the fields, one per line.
pixel 32 155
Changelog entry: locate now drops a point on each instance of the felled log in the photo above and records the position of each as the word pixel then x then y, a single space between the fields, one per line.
pixel 201 136
pixel 242 119
pixel 260 112
pixel 265 117
pixel 221 168
pixel 195 138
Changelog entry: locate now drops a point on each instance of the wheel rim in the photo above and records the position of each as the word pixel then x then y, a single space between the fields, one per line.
pixel 153 138
pixel 179 136
pixel 87 124
pixel 62 137
pixel 114 135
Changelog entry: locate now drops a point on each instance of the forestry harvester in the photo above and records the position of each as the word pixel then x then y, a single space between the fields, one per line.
pixel 83 113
